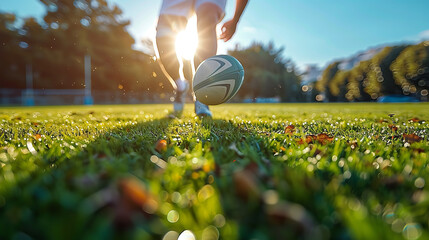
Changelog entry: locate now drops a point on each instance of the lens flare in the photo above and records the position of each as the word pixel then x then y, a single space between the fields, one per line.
pixel 187 40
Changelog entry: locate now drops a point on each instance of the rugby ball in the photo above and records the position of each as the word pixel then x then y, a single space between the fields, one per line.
pixel 217 79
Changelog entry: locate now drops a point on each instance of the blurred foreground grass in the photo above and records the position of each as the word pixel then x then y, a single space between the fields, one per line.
pixel 282 171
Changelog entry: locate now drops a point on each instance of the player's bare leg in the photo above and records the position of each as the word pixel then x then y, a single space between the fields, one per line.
pixel 208 16
pixel 167 29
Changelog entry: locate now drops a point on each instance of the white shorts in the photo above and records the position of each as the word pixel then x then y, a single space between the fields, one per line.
pixel 186 8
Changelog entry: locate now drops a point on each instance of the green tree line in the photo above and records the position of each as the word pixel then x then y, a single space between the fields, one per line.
pixel 267 73
pixel 401 70
pixel 56 45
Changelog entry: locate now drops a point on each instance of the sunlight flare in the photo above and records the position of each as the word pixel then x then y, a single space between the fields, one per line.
pixel 187 40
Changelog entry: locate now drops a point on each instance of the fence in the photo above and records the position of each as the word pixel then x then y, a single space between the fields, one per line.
pixel 75 97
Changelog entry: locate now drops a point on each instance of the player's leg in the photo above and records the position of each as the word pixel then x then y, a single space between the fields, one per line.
pixel 208 16
pixel 167 29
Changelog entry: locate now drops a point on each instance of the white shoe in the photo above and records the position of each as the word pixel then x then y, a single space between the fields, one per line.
pixel 202 110
pixel 180 95
pixel 179 99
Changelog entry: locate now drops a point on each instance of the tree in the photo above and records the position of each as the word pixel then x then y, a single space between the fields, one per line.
pixel 323 84
pixel 411 69
pixel 290 86
pixel 267 72
pixel 358 81
pixel 380 77
pixel 94 27
pixel 12 63
pixel 41 53
pixel 56 47
pixel 338 86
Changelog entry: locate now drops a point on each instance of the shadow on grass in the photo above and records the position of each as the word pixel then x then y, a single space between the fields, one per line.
pixel 212 180
pixel 79 198
pixel 219 179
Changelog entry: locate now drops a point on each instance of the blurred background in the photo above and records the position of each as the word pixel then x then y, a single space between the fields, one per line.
pixel 101 52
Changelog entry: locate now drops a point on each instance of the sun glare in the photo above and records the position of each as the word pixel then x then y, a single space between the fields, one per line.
pixel 187 40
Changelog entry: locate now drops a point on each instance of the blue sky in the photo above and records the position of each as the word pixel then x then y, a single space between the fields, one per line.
pixel 312 31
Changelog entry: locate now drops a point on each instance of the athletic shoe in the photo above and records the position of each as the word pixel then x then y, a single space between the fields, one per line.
pixel 179 100
pixel 202 110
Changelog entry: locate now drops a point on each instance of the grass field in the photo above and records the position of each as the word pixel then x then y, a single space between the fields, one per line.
pixel 283 171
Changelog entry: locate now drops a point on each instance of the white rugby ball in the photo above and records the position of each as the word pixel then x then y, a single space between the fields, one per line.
pixel 217 79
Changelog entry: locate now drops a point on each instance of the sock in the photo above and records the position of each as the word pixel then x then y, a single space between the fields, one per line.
pixel 181 84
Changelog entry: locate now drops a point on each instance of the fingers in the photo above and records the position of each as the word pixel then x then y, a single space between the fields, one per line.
pixel 227 32
pixel 223 36
pixel 223 31
pixel 226 37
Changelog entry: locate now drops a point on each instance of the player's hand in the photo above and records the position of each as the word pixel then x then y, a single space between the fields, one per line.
pixel 228 30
